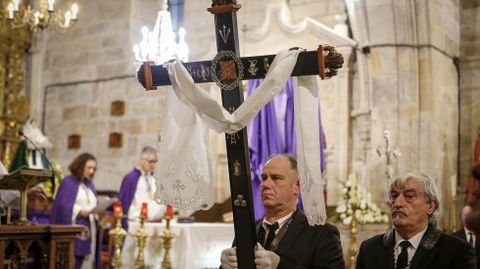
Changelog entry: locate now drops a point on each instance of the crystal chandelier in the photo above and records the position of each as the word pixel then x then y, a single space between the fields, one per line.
pixel 159 45
pixel 46 17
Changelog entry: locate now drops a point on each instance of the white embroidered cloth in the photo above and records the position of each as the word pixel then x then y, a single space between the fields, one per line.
pixel 184 177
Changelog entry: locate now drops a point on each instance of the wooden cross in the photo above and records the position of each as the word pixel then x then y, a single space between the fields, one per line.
pixel 227 69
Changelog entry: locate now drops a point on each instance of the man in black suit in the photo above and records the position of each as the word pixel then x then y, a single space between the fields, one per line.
pixel 414 243
pixel 286 241
pixel 467 234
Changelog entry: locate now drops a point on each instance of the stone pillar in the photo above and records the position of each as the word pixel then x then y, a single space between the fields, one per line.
pixel 412 90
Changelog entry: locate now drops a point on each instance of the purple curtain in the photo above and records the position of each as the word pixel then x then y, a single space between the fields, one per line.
pixel 272 131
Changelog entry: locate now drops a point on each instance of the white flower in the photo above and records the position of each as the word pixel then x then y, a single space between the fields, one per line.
pixel 341 208
pixel 347 220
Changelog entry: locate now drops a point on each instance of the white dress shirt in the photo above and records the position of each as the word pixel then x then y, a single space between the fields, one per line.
pixel 414 240
pixel 469 234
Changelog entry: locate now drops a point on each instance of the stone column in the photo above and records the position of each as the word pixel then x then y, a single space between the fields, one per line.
pixel 412 89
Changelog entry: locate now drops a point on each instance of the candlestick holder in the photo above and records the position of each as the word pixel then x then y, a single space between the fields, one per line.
pixel 141 235
pixel 167 235
pixel 454 213
pixel 118 233
pixel 353 236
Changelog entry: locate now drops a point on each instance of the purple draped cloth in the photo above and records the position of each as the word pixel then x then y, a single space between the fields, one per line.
pixel 63 208
pixel 127 192
pixel 272 131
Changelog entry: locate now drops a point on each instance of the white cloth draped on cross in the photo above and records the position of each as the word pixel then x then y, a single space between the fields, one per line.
pixel 184 179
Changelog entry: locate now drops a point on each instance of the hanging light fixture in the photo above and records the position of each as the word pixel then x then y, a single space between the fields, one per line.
pixel 46 17
pixel 159 45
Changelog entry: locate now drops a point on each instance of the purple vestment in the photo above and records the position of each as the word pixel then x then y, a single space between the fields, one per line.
pixel 127 192
pixel 272 131
pixel 63 208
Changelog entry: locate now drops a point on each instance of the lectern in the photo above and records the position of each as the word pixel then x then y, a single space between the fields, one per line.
pixel 22 180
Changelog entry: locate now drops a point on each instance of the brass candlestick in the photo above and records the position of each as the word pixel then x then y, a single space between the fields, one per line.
pixel 118 233
pixel 353 237
pixel 454 213
pixel 353 201
pixel 141 235
pixel 167 235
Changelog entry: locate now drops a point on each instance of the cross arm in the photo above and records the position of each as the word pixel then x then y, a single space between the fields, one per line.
pixel 324 61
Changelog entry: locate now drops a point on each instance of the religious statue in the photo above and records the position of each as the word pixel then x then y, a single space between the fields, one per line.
pixel 32 141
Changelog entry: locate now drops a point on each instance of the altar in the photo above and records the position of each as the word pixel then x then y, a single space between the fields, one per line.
pixel 196 245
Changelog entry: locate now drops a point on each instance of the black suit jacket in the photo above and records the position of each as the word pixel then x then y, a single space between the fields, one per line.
pixel 304 246
pixel 461 234
pixel 435 251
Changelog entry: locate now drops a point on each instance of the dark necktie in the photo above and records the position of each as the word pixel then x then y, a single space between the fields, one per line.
pixel 271 234
pixel 470 239
pixel 402 259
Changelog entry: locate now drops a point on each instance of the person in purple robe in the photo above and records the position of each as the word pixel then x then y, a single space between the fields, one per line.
pixel 75 199
pixel 138 187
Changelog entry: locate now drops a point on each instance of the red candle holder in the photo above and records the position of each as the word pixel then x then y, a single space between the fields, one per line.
pixel 144 211
pixel 117 209
pixel 170 211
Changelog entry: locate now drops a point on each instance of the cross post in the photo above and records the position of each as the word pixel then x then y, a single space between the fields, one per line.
pixel 228 69
pixel 389 153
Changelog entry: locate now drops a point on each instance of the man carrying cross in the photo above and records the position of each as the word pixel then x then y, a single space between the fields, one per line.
pixel 285 238
pixel 185 179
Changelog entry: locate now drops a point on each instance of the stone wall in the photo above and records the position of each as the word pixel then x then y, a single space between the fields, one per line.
pixel 412 89
pixel 82 72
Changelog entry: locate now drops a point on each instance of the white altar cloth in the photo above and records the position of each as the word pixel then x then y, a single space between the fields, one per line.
pixel 195 246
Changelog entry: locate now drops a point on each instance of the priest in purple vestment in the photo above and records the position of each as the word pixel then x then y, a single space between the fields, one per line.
pixel 138 187
pixel 75 199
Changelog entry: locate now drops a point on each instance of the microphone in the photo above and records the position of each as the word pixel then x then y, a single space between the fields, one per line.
pixel 52 179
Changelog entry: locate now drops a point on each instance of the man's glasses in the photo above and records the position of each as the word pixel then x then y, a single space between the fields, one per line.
pixel 151 161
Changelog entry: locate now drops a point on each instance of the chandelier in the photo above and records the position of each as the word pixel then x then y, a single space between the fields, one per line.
pixel 159 45
pixel 46 17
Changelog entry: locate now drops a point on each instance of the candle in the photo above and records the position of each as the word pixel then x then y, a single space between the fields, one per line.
pixel 68 18
pixel 170 211
pixel 144 211
pixel 353 195
pixel 117 209
pixel 50 5
pixel 453 182
pixel 74 11
pixel 11 8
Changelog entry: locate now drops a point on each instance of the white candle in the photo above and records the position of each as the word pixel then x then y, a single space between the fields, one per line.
pixel 68 17
pixel 50 5
pixel 453 183
pixel 353 193
pixel 74 11
pixel 11 8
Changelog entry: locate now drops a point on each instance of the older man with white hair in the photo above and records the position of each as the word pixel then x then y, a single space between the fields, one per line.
pixel 415 242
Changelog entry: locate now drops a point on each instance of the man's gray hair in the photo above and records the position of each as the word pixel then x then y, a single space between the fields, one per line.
pixel 430 190
pixel 148 151
pixel 290 158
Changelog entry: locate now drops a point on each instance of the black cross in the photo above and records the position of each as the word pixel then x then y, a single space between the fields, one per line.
pixel 227 69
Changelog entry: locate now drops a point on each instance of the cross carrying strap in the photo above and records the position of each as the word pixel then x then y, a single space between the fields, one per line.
pixel 271 234
pixel 402 259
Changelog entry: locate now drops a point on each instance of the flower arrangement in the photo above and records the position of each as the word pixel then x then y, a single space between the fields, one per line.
pixel 47 185
pixel 367 211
